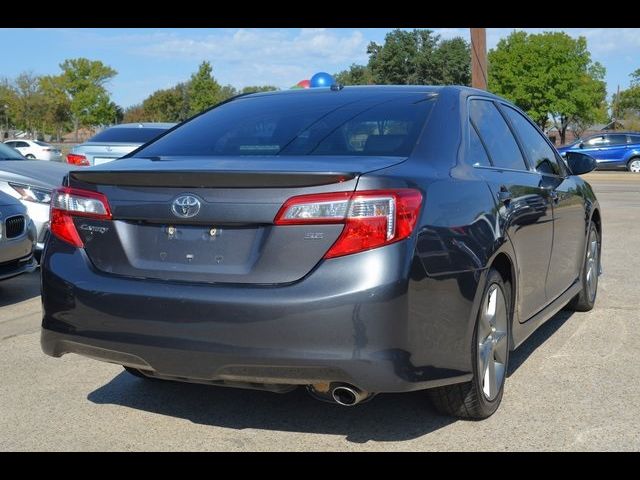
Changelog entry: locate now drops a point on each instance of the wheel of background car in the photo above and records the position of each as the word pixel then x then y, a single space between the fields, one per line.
pixel 481 397
pixel 634 165
pixel 30 156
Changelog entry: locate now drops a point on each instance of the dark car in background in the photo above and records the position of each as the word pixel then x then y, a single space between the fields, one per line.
pixel 612 151
pixel 115 142
pixel 17 238
pixel 354 240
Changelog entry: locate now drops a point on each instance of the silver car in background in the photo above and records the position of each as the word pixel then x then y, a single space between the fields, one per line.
pixel 115 142
pixel 17 238
pixel 31 182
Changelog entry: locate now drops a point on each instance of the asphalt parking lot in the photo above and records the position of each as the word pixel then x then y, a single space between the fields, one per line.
pixel 574 385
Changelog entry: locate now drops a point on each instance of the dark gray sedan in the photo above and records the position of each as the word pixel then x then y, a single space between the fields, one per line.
pixel 355 241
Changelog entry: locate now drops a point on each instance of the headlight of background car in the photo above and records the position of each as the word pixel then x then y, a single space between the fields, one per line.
pixel 32 194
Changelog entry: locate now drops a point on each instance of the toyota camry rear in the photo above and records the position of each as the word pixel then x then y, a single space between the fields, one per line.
pixel 324 238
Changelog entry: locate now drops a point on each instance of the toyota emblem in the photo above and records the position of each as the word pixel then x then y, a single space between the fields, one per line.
pixel 186 206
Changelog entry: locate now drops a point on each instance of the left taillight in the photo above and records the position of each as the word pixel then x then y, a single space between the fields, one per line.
pixel 371 218
pixel 67 203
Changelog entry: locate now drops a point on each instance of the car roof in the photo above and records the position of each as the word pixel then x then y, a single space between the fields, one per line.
pixel 362 90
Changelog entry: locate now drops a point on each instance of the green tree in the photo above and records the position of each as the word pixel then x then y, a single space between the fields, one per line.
pixel 8 101
pixel 169 105
pixel 255 88
pixel 204 91
pixel 419 57
pixel 548 75
pixel 226 92
pixel 135 114
pixel 84 83
pixel 29 107
pixel 627 104
pixel 635 78
pixel 57 106
pixel 355 75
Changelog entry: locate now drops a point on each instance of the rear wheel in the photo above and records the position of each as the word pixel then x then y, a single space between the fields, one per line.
pixel 584 301
pixel 481 397
pixel 634 165
pixel 30 156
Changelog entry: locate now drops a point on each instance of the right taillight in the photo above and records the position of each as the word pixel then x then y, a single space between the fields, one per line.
pixel 75 159
pixel 371 218
pixel 67 203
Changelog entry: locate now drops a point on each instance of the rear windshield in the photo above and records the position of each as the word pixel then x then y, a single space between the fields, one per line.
pixel 127 135
pixel 42 144
pixel 305 123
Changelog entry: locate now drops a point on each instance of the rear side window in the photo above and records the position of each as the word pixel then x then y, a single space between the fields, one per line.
pixel 477 153
pixel 305 123
pixel 540 154
pixel 616 140
pixel 496 135
pixel 634 138
pixel 127 135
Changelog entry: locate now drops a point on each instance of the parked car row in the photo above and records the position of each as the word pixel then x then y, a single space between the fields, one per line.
pixel 26 180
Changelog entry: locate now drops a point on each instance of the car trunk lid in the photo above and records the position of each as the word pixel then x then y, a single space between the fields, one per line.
pixel 231 238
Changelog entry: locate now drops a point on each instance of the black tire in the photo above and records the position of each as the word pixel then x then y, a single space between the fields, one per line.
pixel 585 300
pixel 629 164
pixel 29 156
pixel 137 373
pixel 467 400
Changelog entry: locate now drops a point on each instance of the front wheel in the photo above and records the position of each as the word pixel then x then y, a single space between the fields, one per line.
pixel 634 165
pixel 481 397
pixel 30 156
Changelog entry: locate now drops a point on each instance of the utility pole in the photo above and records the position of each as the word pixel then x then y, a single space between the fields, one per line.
pixel 479 58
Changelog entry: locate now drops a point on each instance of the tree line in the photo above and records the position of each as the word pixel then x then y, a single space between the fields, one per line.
pixel 77 97
pixel 549 75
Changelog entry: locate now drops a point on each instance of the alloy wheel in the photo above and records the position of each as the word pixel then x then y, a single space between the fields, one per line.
pixel 593 252
pixel 634 165
pixel 492 342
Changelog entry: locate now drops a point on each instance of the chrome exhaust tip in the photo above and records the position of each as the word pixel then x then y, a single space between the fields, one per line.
pixel 347 395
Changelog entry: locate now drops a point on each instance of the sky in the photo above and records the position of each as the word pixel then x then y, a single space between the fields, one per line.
pixel 150 59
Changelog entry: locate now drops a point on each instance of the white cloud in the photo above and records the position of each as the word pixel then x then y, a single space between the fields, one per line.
pixel 245 55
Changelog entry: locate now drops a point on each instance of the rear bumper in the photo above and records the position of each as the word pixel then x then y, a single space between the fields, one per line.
pixel 347 321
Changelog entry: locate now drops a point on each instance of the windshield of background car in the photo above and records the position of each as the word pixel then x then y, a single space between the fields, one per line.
pixel 8 153
pixel 127 135
pixel 302 123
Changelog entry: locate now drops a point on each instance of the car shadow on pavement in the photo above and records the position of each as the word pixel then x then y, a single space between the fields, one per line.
pixel 20 288
pixel 386 418
pixel 541 335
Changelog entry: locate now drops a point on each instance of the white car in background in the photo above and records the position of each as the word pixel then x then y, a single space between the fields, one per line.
pixel 35 149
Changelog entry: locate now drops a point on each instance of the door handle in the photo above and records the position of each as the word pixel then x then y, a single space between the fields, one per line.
pixel 504 195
